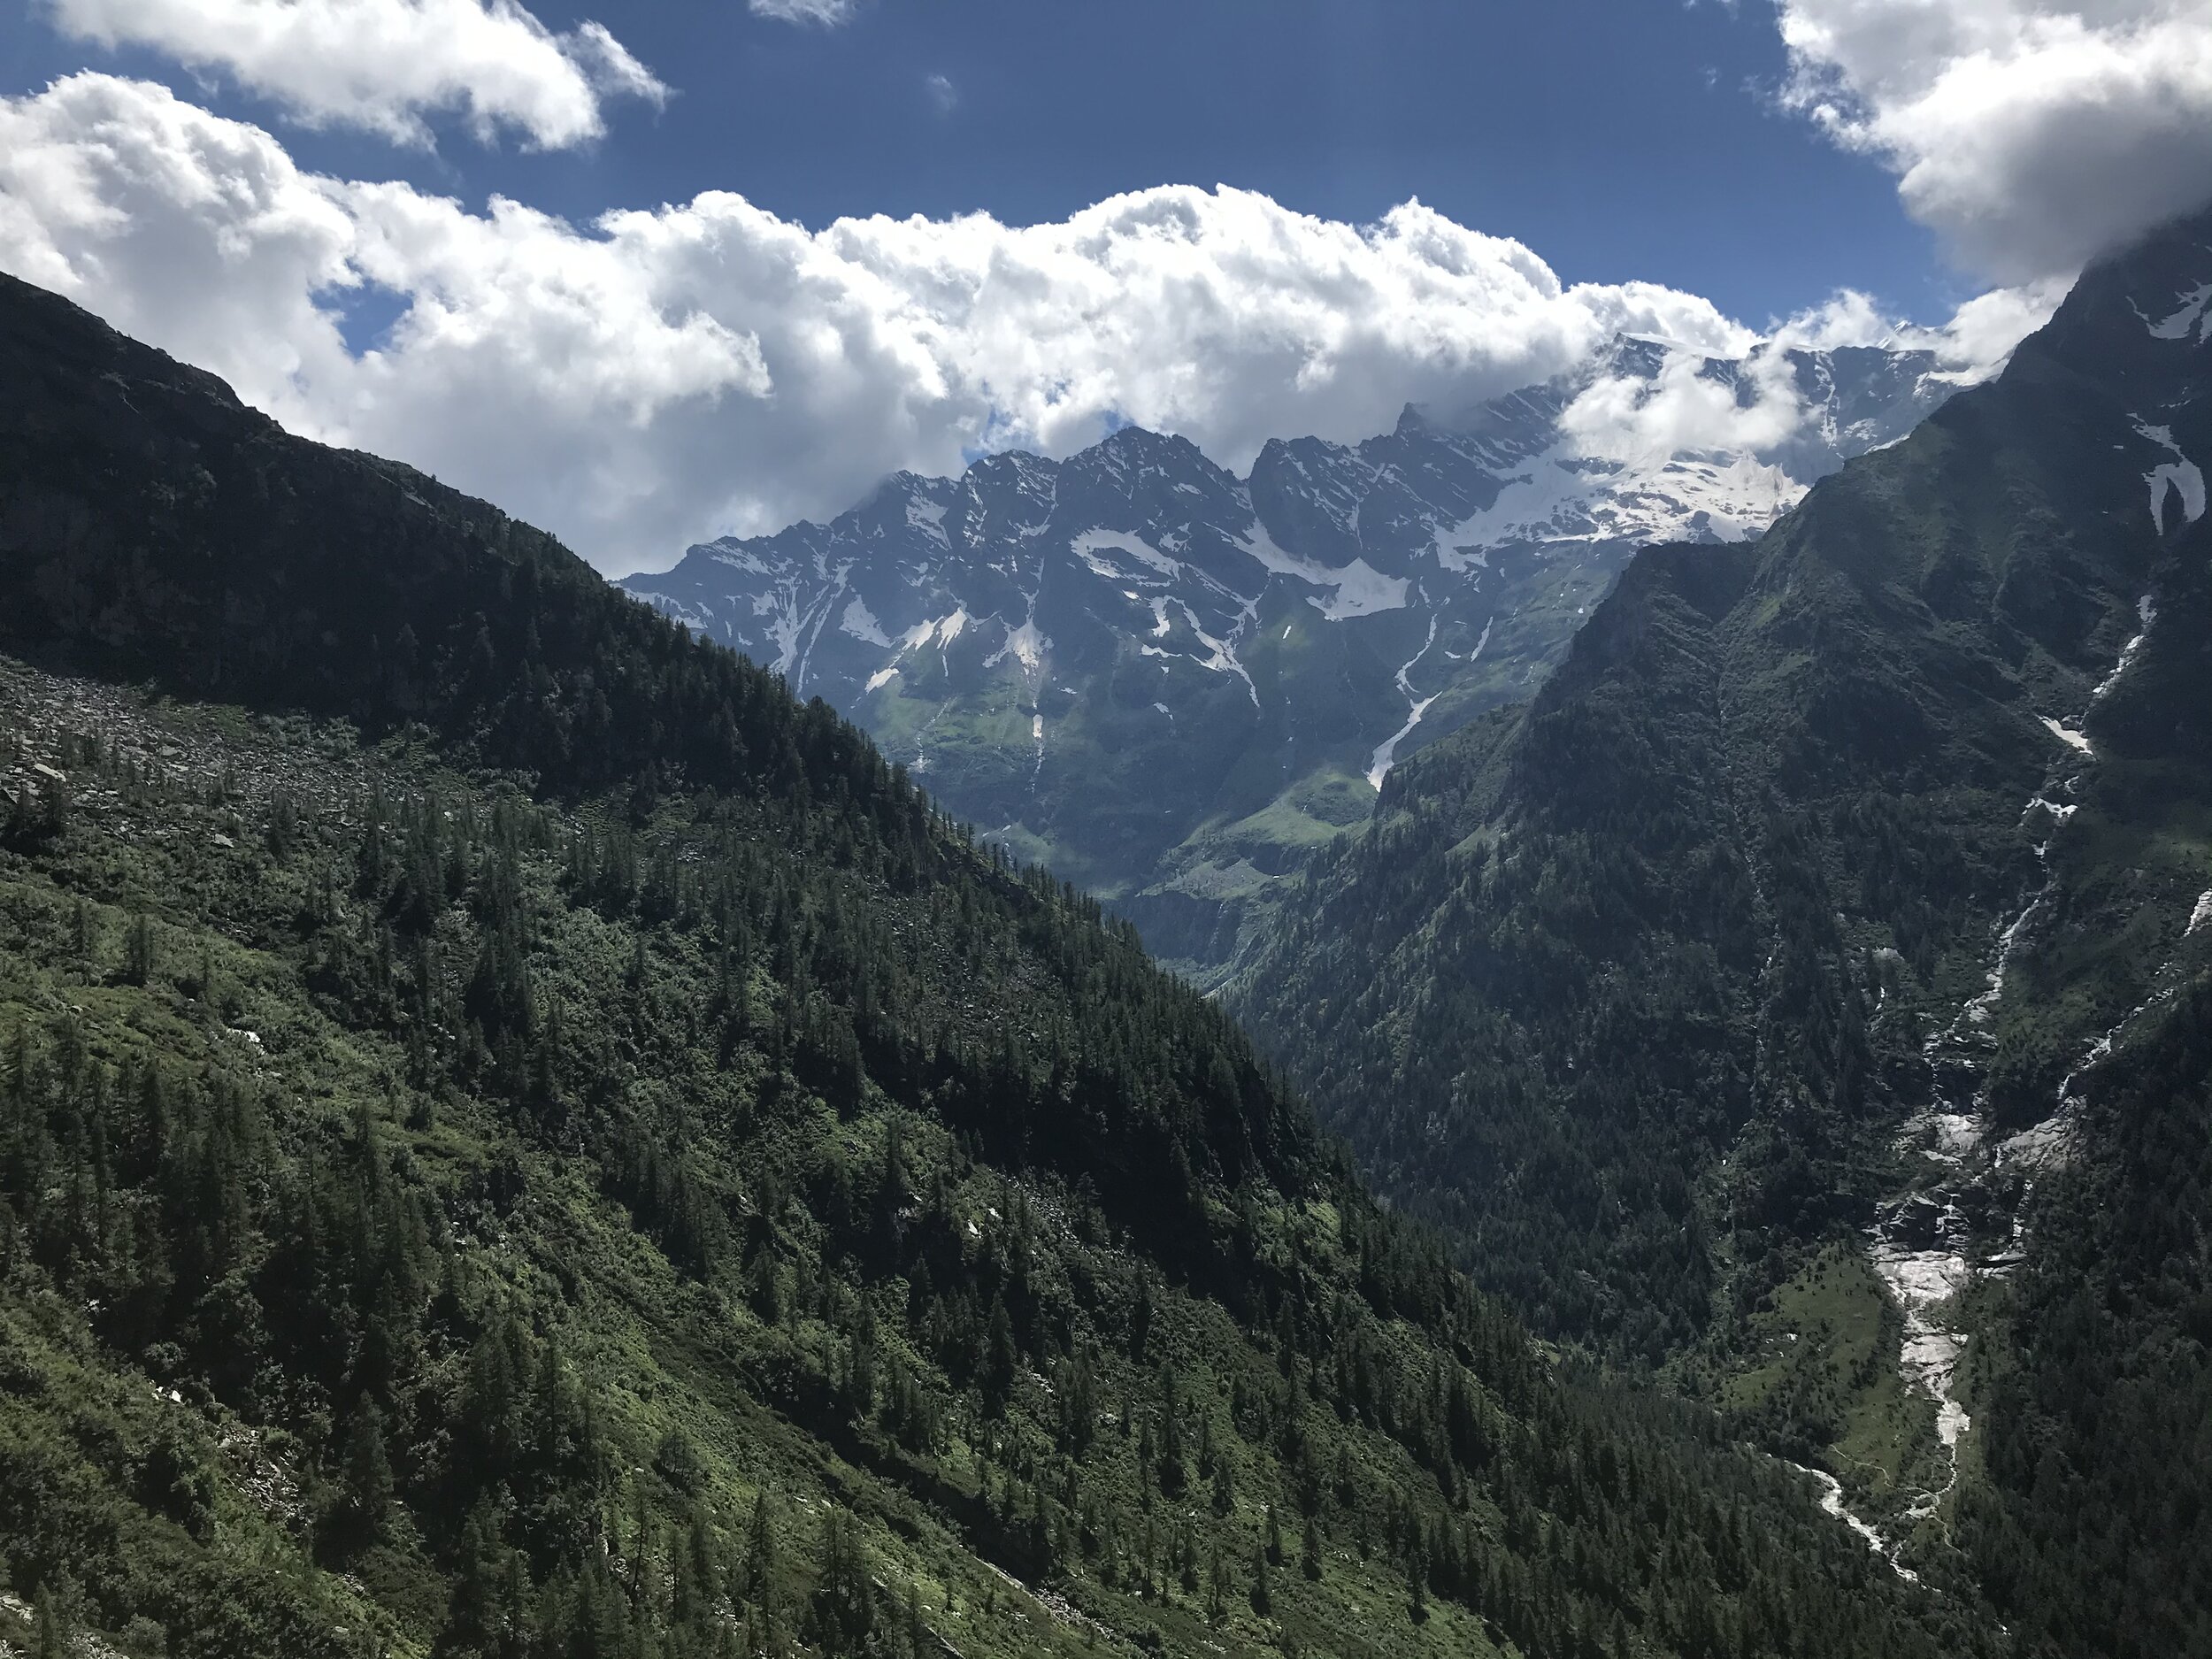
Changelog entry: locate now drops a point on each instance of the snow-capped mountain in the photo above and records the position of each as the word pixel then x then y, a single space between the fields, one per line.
pixel 1168 680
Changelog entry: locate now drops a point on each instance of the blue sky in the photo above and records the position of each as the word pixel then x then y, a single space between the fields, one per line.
pixel 1618 138
pixel 612 270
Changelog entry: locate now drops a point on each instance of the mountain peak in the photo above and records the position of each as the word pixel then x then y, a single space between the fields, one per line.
pixel 1168 679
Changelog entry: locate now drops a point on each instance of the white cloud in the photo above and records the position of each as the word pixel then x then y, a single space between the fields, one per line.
pixel 1631 419
pixel 827 13
pixel 382 64
pixel 1986 329
pixel 1974 344
pixel 656 378
pixel 2030 134
pixel 1641 420
pixel 943 94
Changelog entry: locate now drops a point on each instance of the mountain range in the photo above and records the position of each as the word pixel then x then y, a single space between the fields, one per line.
pixel 1170 683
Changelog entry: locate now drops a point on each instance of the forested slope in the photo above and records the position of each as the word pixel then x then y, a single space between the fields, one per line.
pixel 1646 918
pixel 518 1140
pixel 1824 890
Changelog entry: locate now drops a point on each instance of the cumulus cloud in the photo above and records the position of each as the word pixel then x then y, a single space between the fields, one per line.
pixel 2030 134
pixel 1976 341
pixel 381 64
pixel 827 13
pixel 1630 419
pixel 656 378
pixel 1762 408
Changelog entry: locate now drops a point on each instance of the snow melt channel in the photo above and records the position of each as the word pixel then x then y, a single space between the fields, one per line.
pixel 1832 1504
pixel 1921 1281
pixel 1386 751
pixel 1926 1267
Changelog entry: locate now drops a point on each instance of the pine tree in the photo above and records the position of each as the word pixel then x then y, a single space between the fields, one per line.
pixel 138 959
pixel 760 1556
pixel 1173 1476
pixel 1000 1358
pixel 368 1469
pixel 53 1636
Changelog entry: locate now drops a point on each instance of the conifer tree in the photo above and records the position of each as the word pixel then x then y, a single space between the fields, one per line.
pixel 138 958
pixel 368 1469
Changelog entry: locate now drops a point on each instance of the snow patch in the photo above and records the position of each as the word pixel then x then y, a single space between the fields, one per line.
pixel 2194 314
pixel 1222 658
pixel 944 630
pixel 1025 644
pixel 2180 473
pixel 2202 917
pixel 1093 547
pixel 860 622
pixel 2067 736
pixel 694 618
pixel 786 621
pixel 928 516
pixel 2146 613
pixel 1361 591
pixel 1561 495
pixel 751 564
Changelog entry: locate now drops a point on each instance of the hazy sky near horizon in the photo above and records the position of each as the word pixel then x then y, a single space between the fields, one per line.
pixel 646 276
